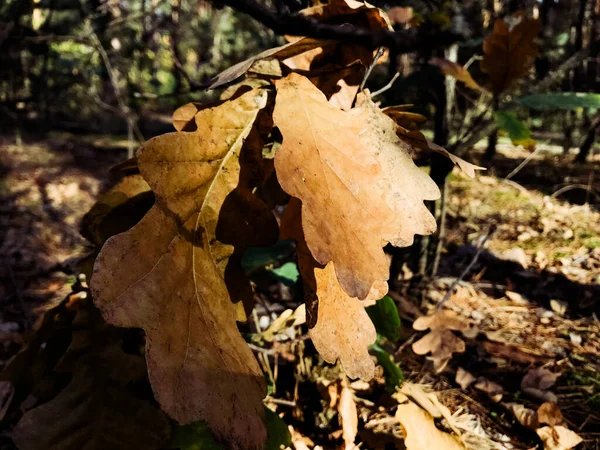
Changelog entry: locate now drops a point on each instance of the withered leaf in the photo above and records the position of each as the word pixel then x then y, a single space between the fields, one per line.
pixel 96 410
pixel 558 438
pixel 118 209
pixel 457 71
pixel 283 52
pixel 339 326
pixel 407 131
pixel 420 431
pixel 357 182
pixel 509 50
pixel 550 414
pixel 176 273
pixel 441 342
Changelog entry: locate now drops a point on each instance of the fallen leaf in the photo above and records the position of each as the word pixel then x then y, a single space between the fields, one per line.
pixel 558 438
pixel 457 71
pixel 493 390
pixel 441 342
pixel 420 431
pixel 464 378
pixel 283 52
pixel 348 417
pixel 96 409
pixel 509 50
pixel 179 281
pixel 526 416
pixel 353 166
pixel 549 413
pixel 339 326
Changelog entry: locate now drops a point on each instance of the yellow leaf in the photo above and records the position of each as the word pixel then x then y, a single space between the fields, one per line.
pixel 339 326
pixel 558 438
pixel 176 274
pixel 421 433
pixel 457 71
pixel 357 182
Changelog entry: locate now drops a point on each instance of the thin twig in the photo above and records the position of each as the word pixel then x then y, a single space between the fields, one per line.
pixel 387 86
pixel 378 55
pixel 279 401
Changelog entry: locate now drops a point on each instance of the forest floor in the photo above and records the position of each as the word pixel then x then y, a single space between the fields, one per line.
pixel 522 321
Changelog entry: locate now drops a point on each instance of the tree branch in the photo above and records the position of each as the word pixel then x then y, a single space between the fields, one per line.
pixel 403 41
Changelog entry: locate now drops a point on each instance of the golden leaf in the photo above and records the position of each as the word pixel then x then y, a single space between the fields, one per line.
pixel 357 182
pixel 177 271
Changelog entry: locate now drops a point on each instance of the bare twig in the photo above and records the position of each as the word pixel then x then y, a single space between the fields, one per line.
pixel 387 86
pixel 378 55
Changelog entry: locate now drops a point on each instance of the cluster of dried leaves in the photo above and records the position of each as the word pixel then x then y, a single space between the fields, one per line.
pixel 345 171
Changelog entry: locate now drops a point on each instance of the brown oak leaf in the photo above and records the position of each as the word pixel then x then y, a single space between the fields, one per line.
pixel 509 50
pixel 97 410
pixel 174 274
pixel 339 326
pixel 358 185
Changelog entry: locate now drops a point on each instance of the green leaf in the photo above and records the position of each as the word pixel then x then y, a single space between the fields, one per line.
pixel 517 131
pixel 197 436
pixel 384 315
pixel 258 257
pixel 560 100
pixel 277 430
pixel 391 372
pixel 288 273
pixel 193 436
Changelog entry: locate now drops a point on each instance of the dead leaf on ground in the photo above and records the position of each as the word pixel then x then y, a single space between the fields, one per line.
pixel 464 378
pixel 353 166
pixel 493 390
pixel 181 276
pixel 441 342
pixel 526 416
pixel 550 414
pixel 96 410
pixel 420 431
pixel 509 50
pixel 457 71
pixel 348 417
pixel 558 438
pixel 339 326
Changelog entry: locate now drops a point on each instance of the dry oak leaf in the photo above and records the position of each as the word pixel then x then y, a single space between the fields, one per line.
pixel 526 416
pixel 558 438
pixel 96 410
pixel 509 50
pixel 358 185
pixel 339 326
pixel 283 52
pixel 550 414
pixel 441 342
pixel 168 274
pixel 407 131
pixel 420 431
pixel 457 71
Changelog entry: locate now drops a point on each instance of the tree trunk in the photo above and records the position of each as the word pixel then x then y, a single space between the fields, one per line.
pixel 588 143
